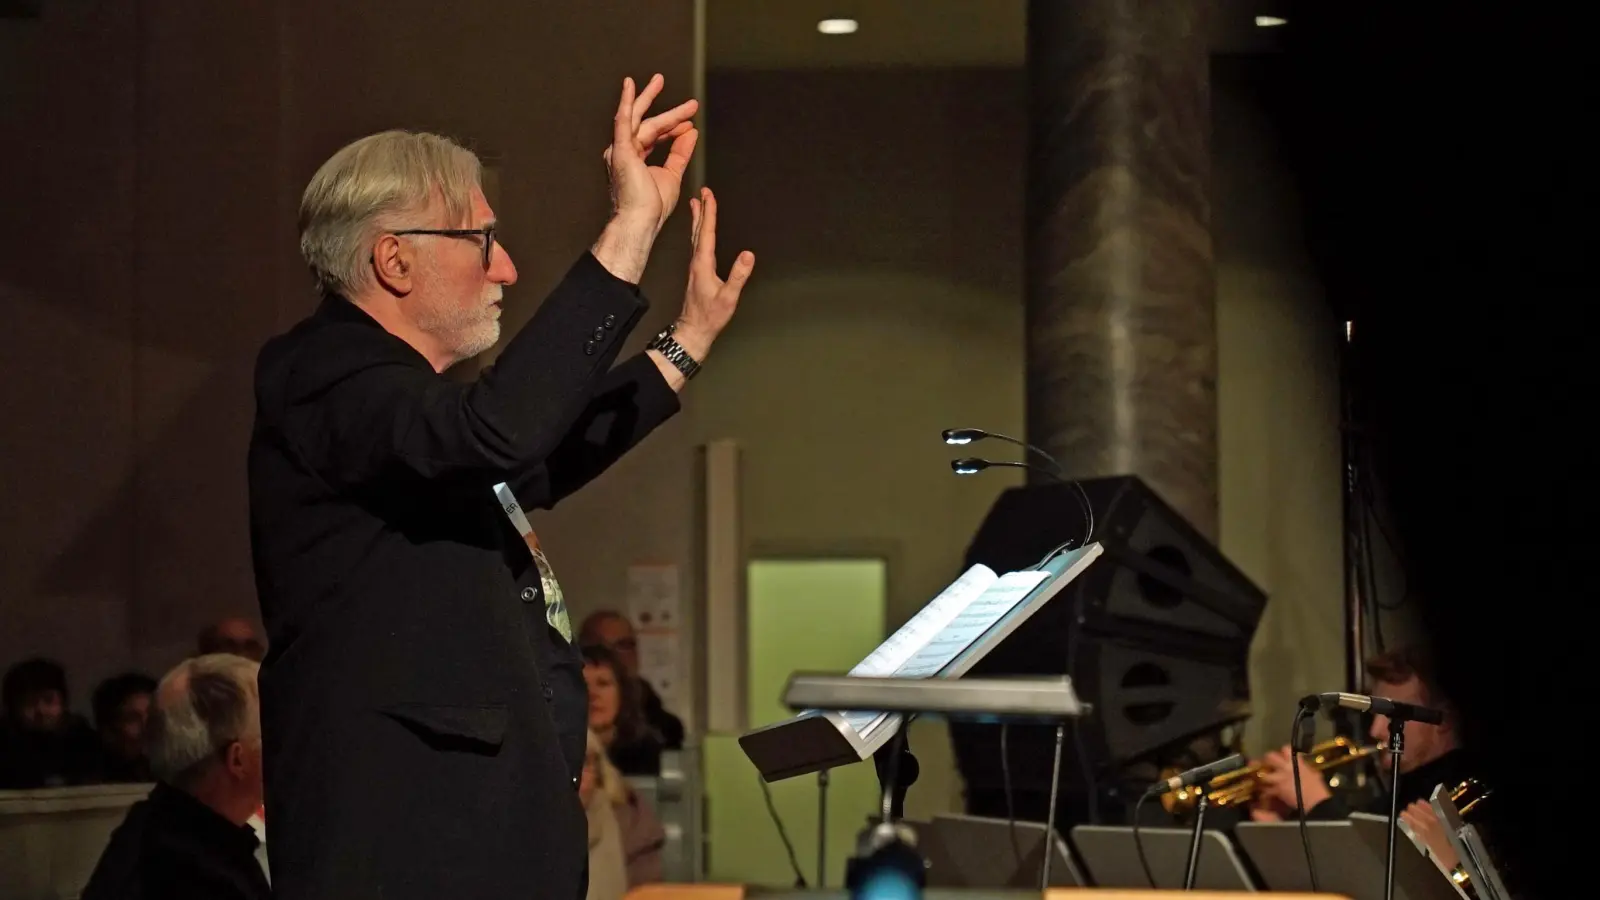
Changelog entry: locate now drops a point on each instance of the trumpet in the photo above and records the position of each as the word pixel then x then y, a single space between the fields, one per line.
pixel 1237 787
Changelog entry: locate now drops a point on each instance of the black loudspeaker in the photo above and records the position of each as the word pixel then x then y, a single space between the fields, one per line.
pixel 1156 634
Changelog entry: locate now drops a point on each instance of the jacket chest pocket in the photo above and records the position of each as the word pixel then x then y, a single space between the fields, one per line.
pixel 464 728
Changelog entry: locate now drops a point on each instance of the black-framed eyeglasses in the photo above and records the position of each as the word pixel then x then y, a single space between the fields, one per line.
pixel 486 232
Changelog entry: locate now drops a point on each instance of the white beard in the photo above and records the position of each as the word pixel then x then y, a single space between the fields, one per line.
pixel 468 332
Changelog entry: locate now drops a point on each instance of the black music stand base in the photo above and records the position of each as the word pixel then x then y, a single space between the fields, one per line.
pixel 1193 867
pixel 1397 739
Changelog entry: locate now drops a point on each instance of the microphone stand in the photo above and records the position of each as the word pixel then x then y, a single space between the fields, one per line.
pixel 1194 841
pixel 1397 739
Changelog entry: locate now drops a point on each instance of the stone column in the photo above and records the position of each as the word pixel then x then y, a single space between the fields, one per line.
pixel 1121 305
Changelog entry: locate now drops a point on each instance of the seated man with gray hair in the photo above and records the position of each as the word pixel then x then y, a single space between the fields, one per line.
pixel 189 839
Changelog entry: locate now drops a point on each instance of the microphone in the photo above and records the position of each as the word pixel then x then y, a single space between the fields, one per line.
pixel 960 436
pixel 1197 775
pixel 1383 706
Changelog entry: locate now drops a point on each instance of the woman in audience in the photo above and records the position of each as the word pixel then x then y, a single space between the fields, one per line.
pixel 608 872
pixel 642 836
pixel 616 714
pixel 625 838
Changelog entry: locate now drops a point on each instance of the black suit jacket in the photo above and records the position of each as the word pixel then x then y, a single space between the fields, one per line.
pixel 424 727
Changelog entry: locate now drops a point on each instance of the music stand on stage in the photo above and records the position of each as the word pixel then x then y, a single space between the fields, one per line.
pixel 888 850
pixel 1468 844
pixel 943 641
pixel 978 852
pixel 1112 858
pixel 1350 861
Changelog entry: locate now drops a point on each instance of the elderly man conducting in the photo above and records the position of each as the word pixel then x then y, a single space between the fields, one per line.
pixel 424 708
pixel 189 838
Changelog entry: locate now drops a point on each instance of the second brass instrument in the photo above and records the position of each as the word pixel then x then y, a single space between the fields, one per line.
pixel 1236 788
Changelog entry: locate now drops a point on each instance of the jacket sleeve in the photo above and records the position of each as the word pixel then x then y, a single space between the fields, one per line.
pixel 629 402
pixel 364 407
pixel 1330 810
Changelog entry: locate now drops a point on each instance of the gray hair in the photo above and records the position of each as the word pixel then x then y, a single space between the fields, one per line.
pixel 363 189
pixel 203 705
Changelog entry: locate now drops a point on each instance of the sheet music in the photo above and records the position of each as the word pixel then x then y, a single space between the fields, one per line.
pixel 910 637
pixel 970 624
pixel 929 621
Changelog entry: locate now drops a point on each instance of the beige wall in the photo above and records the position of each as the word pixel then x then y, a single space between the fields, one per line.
pixel 1278 409
pixel 892 310
pixel 148 249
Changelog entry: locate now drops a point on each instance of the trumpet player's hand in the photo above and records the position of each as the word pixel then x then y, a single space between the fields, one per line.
pixel 1265 812
pixel 1429 831
pixel 1277 781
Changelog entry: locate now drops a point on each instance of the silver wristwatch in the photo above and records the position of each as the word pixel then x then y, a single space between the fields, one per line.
pixel 674 353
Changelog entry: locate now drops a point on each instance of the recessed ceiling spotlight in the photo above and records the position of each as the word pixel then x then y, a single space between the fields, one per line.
pixel 1270 21
pixel 838 26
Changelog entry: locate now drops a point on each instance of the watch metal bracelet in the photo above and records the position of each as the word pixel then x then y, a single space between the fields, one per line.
pixel 664 343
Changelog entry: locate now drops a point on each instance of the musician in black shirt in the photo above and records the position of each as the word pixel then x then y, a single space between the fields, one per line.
pixel 1432 754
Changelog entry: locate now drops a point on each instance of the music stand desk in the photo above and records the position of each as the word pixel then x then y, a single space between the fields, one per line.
pixel 1112 858
pixel 1349 859
pixel 977 852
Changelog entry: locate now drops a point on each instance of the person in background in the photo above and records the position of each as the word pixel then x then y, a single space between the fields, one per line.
pixel 613 804
pixel 608 872
pixel 42 744
pixel 189 839
pixel 612 630
pixel 121 709
pixel 616 715
pixel 236 635
pixel 1433 755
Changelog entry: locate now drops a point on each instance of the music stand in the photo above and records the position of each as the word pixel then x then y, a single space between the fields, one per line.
pixel 1468 844
pixel 1112 858
pixel 977 852
pixel 824 737
pixel 884 850
pixel 1349 862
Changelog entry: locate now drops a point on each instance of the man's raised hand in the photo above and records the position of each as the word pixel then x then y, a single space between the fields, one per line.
pixel 709 301
pixel 641 192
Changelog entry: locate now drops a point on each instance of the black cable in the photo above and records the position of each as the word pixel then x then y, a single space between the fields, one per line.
pixel 783 834
pixel 1299 797
pixel 1138 841
pixel 1005 783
